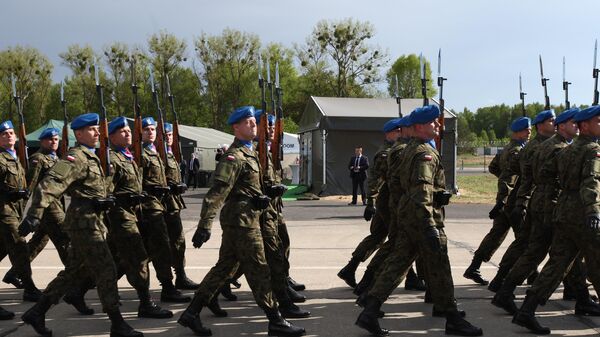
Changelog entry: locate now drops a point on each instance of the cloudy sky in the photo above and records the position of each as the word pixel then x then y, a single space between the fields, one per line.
pixel 485 44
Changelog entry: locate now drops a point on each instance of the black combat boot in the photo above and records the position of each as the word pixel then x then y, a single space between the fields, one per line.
pixel 36 316
pixel 587 307
pixel 362 300
pixel 5 315
pixel 457 325
pixel 442 313
pixel 496 282
pixel 428 298
pixel 525 316
pixel 120 328
pixel 280 327
pixel 365 282
pixel 505 299
pixel 30 292
pixel 288 309
pixel 295 285
pixel 190 318
pixel 11 277
pixel 75 297
pixel 569 293
pixel 148 308
pixel 531 278
pixel 216 308
pixel 413 282
pixel 347 273
pixel 473 273
pixel 226 292
pixel 171 295
pixel 295 296
pixel 368 317
pixel 183 282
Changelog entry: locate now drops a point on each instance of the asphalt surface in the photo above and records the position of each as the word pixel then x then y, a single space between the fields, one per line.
pixel 323 234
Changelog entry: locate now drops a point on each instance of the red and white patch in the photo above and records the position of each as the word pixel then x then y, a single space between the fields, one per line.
pixel 597 154
pixel 34 161
pixel 427 157
pixel 230 158
pixel 70 158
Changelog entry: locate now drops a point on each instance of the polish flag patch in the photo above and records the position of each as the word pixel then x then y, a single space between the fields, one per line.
pixel 34 161
pixel 597 154
pixel 70 158
pixel 427 157
pixel 230 158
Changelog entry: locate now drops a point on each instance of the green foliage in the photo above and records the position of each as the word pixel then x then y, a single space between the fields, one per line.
pixel 406 67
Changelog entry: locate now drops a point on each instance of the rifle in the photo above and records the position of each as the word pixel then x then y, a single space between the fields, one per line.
pixel 277 144
pixel 397 95
pixel 595 74
pixel 566 87
pixel 137 122
pixel 22 148
pixel 522 95
pixel 544 82
pixel 262 130
pixel 160 128
pixel 440 83
pixel 423 80
pixel 104 153
pixel 64 144
pixel 176 147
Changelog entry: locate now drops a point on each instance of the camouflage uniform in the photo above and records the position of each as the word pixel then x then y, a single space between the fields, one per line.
pixel 237 181
pixel 174 204
pixel 80 176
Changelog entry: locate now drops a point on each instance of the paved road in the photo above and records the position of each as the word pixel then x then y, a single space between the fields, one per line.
pixel 324 234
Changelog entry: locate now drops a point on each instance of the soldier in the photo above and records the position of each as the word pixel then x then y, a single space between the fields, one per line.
pixel 174 204
pixel 544 126
pixel 506 167
pixel 80 175
pixel 152 225
pixel 126 186
pixel 577 215
pixel 13 195
pixel 237 187
pixel 376 189
pixel 422 234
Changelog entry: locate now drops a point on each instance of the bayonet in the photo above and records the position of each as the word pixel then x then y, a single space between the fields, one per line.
pixel 423 72
pixel 397 95
pixel 544 84
pixel 595 74
pixel 566 86
pixel 440 83
pixel 104 153
pixel 522 95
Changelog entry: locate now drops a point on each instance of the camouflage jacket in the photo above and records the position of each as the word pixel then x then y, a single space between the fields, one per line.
pixel 125 181
pixel 579 178
pixel 377 187
pixel 545 175
pixel 173 202
pixel 39 165
pixel 237 180
pixel 153 175
pixel 80 176
pixel 526 159
pixel 12 179
pixel 508 181
pixel 395 173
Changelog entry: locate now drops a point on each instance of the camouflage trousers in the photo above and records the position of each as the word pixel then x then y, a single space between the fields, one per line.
pixel 15 246
pixel 240 247
pixel 569 241
pixel 410 244
pixel 284 237
pixel 89 255
pixel 50 229
pixel 176 240
pixel 378 232
pixel 516 248
pixel 156 240
pixel 494 238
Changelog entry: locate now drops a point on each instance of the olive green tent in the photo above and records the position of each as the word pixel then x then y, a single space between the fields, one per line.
pixel 32 138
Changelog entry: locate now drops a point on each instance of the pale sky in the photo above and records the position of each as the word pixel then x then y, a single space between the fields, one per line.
pixel 485 44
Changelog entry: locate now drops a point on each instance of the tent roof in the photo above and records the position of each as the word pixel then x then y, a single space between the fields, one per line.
pixel 205 137
pixel 32 138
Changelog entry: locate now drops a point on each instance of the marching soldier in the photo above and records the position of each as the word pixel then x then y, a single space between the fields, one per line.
pixel 506 167
pixel 237 187
pixel 80 175
pixel 174 204
pixel 422 234
pixel 577 215
pixel 153 226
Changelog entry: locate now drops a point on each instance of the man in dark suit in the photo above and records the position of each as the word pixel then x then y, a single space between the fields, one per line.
pixel 193 170
pixel 358 172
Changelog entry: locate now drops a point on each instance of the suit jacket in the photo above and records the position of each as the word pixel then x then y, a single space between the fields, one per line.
pixel 363 165
pixel 195 167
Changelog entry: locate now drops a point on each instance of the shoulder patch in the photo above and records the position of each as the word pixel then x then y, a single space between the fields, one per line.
pixel 34 161
pixel 70 158
pixel 230 157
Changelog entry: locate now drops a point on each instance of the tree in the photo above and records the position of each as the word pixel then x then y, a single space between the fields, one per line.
pixel 81 85
pixel 483 136
pixel 340 48
pixel 406 67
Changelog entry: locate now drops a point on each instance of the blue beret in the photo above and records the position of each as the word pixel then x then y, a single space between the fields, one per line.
pixel 148 121
pixel 270 118
pixel 49 133
pixel 404 122
pixel 520 124
pixel 587 113
pixel 168 127
pixel 241 113
pixel 424 114
pixel 391 125
pixel 542 116
pixel 88 119
pixel 116 124
pixel 6 125
pixel 566 115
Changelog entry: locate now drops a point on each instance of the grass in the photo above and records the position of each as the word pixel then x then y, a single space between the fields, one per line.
pixel 476 188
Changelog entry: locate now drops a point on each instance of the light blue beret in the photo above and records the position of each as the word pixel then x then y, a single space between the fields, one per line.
pixel 49 133
pixel 6 125
pixel 587 113
pixel 147 121
pixel 391 125
pixel 241 113
pixel 116 124
pixel 168 127
pixel 566 115
pixel 542 116
pixel 520 124
pixel 424 114
pixel 88 119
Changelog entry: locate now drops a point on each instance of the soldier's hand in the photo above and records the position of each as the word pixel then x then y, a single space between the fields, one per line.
pixel 28 225
pixel 200 237
pixel 495 212
pixel 369 211
pixel 516 217
pixel 593 222
pixel 432 237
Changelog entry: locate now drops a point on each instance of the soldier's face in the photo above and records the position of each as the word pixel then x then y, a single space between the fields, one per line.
pixel 245 129
pixel 593 126
pixel 169 137
pixel 88 135
pixel 121 137
pixel 149 134
pixel 428 130
pixel 50 144
pixel 523 135
pixel 569 129
pixel 8 139
pixel 546 127
pixel 271 130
